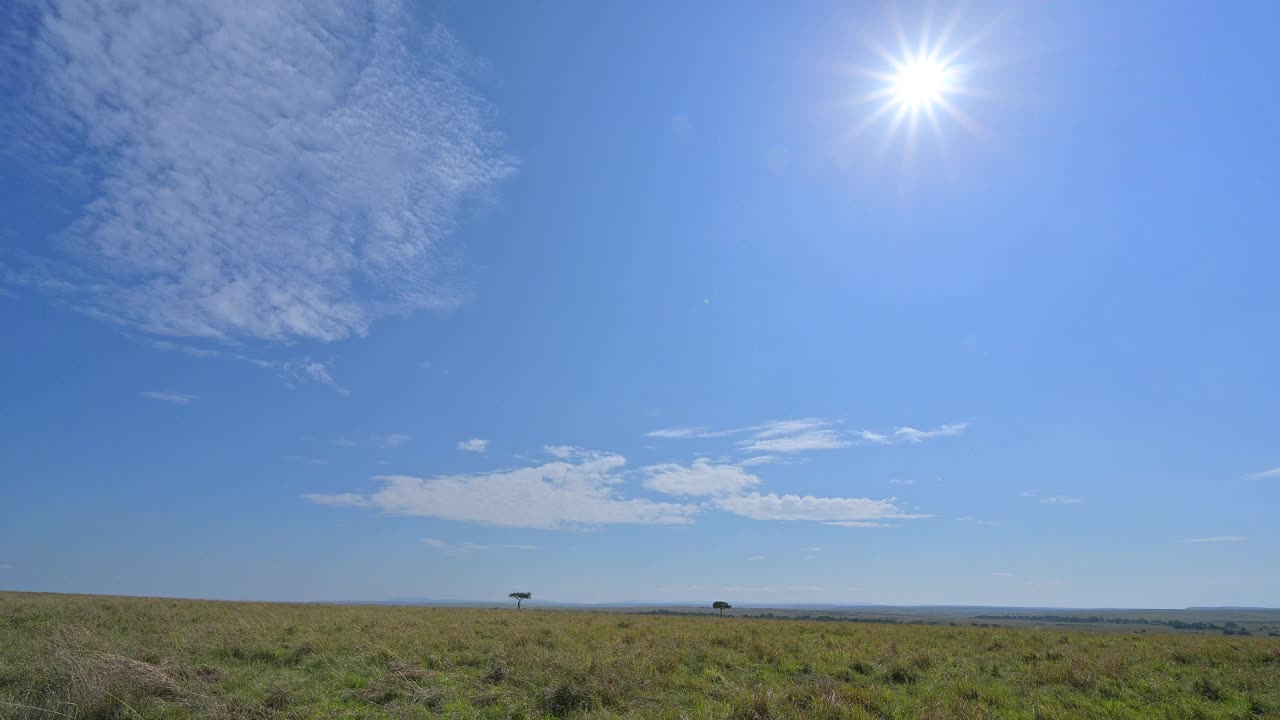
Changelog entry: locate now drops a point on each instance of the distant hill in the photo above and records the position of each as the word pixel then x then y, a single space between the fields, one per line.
pixel 1231 607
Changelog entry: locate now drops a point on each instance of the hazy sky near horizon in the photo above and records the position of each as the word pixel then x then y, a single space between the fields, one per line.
pixel 640 302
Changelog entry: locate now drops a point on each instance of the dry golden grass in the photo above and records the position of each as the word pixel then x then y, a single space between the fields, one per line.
pixel 99 657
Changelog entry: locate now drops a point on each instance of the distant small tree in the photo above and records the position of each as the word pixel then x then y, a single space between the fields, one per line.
pixel 520 597
pixel 721 606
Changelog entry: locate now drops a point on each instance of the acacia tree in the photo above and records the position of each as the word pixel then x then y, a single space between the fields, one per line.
pixel 520 597
pixel 721 606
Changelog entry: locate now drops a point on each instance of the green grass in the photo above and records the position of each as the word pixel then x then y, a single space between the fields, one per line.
pixel 103 657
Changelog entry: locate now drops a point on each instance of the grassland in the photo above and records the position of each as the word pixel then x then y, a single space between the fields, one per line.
pixel 1211 621
pixel 100 657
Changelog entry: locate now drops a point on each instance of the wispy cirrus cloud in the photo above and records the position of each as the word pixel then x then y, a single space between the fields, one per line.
pixel 677 432
pixel 1266 474
pixel 169 396
pixel 796 426
pixel 793 436
pixel 759 460
pixel 1060 500
pixel 770 429
pixel 862 523
pixel 810 433
pixel 579 491
pixel 475 445
pixel 1216 539
pixel 458 548
pixel 909 434
pixel 830 510
pixel 810 440
pixel 294 372
pixel 304 459
pixel 309 370
pixel 288 173
pixel 912 435
pixel 389 441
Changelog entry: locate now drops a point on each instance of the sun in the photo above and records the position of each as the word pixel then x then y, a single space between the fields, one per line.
pixel 918 87
pixel 920 83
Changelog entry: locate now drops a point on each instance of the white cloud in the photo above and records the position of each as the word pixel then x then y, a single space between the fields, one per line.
pixel 553 495
pixel 475 445
pixel 807 507
pixel 797 426
pixel 339 500
pixel 388 441
pixel 760 460
pixel 796 435
pixel 572 452
pixel 293 371
pixel 580 488
pixel 813 549
pixel 5 566
pixel 700 479
pixel 290 172
pixel 1002 574
pixel 861 524
pixel 812 440
pixel 1060 500
pixel 1266 474
pixel 1216 539
pixel 976 521
pixel 901 481
pixel 466 547
pixel 912 435
pixel 758 557
pixel 772 429
pixel 309 370
pixel 809 433
pixel 677 432
pixel 176 398
pixel 394 440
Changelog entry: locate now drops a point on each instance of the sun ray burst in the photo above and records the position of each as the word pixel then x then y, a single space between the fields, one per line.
pixel 917 83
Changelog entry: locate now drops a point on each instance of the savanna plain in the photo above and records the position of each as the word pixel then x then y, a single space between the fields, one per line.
pixel 111 657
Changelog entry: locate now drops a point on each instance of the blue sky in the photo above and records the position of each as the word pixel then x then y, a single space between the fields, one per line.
pixel 640 302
